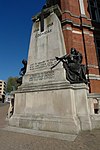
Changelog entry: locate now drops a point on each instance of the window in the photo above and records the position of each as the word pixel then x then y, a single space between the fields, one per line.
pixel 94 6
pixel 3 92
pixel 4 85
pixel 97 40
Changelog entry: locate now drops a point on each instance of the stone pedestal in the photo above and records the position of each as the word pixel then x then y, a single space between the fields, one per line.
pixel 46 101
pixel 62 110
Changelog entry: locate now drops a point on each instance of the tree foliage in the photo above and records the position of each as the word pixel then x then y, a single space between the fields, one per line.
pixel 11 84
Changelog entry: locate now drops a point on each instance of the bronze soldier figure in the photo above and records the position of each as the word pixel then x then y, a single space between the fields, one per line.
pixel 22 71
pixel 75 71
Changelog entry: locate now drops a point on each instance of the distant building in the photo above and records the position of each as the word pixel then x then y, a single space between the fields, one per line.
pixel 2 89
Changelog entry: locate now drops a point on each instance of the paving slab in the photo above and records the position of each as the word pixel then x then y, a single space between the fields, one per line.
pixel 61 136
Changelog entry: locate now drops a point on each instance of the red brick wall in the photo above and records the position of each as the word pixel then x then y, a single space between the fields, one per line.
pixel 95 86
pixel 78 34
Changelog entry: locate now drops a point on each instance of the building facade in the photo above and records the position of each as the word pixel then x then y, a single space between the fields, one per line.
pixel 2 89
pixel 81 29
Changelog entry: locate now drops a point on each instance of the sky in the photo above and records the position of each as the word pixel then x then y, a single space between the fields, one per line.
pixel 15 31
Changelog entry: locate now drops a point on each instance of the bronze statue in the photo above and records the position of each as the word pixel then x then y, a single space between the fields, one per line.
pixel 43 15
pixel 50 3
pixel 75 71
pixel 22 71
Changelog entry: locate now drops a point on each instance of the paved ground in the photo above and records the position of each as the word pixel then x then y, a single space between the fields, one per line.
pixel 17 141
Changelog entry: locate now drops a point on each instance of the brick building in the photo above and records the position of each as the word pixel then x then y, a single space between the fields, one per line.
pixel 81 28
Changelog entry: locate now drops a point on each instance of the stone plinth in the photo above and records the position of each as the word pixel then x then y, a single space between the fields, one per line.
pixel 58 110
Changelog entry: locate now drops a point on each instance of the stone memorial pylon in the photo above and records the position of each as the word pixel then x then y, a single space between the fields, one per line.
pixel 46 101
pixel 44 46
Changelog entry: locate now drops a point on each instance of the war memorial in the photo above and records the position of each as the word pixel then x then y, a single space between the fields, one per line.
pixel 53 96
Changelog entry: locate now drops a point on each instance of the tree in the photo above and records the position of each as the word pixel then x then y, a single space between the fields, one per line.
pixel 11 84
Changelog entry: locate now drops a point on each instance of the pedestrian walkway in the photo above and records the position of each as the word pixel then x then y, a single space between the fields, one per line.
pixel 20 141
pixel 3 113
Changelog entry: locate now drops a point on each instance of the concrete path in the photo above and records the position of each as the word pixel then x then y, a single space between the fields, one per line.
pixel 21 141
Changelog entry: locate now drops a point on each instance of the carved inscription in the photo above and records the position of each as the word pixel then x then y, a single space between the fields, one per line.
pixel 42 76
pixel 36 30
pixel 42 33
pixel 48 25
pixel 42 65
